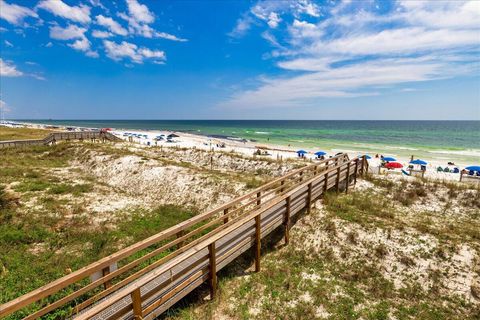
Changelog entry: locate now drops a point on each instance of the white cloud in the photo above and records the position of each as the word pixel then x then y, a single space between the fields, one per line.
pixel 140 12
pixel 273 20
pixel 8 69
pixel 68 33
pixel 101 34
pixel 111 24
pixel 356 51
pixel 119 51
pixel 49 45
pixel 15 14
pixel 271 12
pixel 8 44
pixel 144 30
pixel 59 8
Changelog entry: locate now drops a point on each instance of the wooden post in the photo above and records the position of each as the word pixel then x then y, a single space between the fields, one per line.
pixel 137 304
pixel 309 203
pixel 179 235
pixel 258 243
pixel 356 171
pixel 287 222
pixel 225 212
pixel 259 198
pixel 301 176
pixel 325 183
pixel 213 270
pixel 106 284
pixel 337 182
pixel 348 178
pixel 364 159
pixel 282 184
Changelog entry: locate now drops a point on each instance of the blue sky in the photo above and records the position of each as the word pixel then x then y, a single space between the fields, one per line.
pixel 299 59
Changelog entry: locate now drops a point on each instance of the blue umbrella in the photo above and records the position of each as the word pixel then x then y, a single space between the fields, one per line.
pixel 473 168
pixel 320 153
pixel 366 156
pixel 420 162
pixel 301 152
pixel 389 159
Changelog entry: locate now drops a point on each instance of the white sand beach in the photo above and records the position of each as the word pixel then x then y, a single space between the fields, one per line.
pixel 148 138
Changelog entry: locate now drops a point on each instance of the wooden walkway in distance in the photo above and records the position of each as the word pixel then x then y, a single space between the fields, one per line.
pixel 59 136
pixel 148 277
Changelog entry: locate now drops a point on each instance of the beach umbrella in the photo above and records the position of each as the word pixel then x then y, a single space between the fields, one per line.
pixel 394 165
pixel 418 161
pixel 473 168
pixel 301 152
pixel 389 159
pixel 365 155
pixel 320 153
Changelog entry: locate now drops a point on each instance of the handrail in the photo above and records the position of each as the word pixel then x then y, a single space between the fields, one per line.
pixel 56 136
pixel 101 264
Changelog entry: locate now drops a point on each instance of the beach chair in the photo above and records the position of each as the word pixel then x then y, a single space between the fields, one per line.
pixel 470 173
pixel 456 170
pixel 478 173
pixel 446 169
pixel 439 169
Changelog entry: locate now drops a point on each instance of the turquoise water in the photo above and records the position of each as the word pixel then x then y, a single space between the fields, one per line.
pixel 452 140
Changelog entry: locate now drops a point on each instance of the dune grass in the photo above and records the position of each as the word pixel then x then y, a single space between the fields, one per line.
pixel 7 133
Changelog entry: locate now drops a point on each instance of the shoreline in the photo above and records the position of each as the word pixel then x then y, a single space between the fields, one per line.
pixel 248 147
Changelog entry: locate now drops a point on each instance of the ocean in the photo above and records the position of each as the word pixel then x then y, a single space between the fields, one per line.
pixel 439 140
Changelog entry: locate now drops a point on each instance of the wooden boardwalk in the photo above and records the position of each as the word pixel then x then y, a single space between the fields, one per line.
pixel 53 137
pixel 148 277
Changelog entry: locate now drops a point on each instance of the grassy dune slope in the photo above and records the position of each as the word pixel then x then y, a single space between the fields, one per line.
pixel 7 133
pixel 388 250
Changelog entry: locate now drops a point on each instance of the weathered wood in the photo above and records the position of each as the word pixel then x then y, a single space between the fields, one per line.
pixel 257 243
pixel 225 213
pixel 337 181
pixel 309 195
pixel 259 198
pixel 287 221
pixel 213 269
pixel 347 181
pixel 137 304
pixel 105 271
pixel 356 172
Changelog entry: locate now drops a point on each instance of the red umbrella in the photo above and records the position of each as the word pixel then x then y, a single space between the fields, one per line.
pixel 394 165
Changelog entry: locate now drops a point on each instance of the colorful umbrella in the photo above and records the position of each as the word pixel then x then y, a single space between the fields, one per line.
pixel 473 168
pixel 394 165
pixel 365 155
pixel 420 162
pixel 389 159
pixel 301 152
pixel 320 153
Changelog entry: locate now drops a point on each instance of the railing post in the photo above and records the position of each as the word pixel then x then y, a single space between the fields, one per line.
pixel 259 198
pixel 179 235
pixel 225 212
pixel 337 182
pixel 258 243
pixel 137 304
pixel 287 222
pixel 309 203
pixel 282 184
pixel 106 284
pixel 213 270
pixel 356 172
pixel 348 178
pixel 301 176
pixel 325 182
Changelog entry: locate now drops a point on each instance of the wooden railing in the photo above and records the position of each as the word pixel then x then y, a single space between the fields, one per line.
pixel 146 278
pixel 58 136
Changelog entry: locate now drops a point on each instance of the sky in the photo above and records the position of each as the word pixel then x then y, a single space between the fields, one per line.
pixel 298 59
